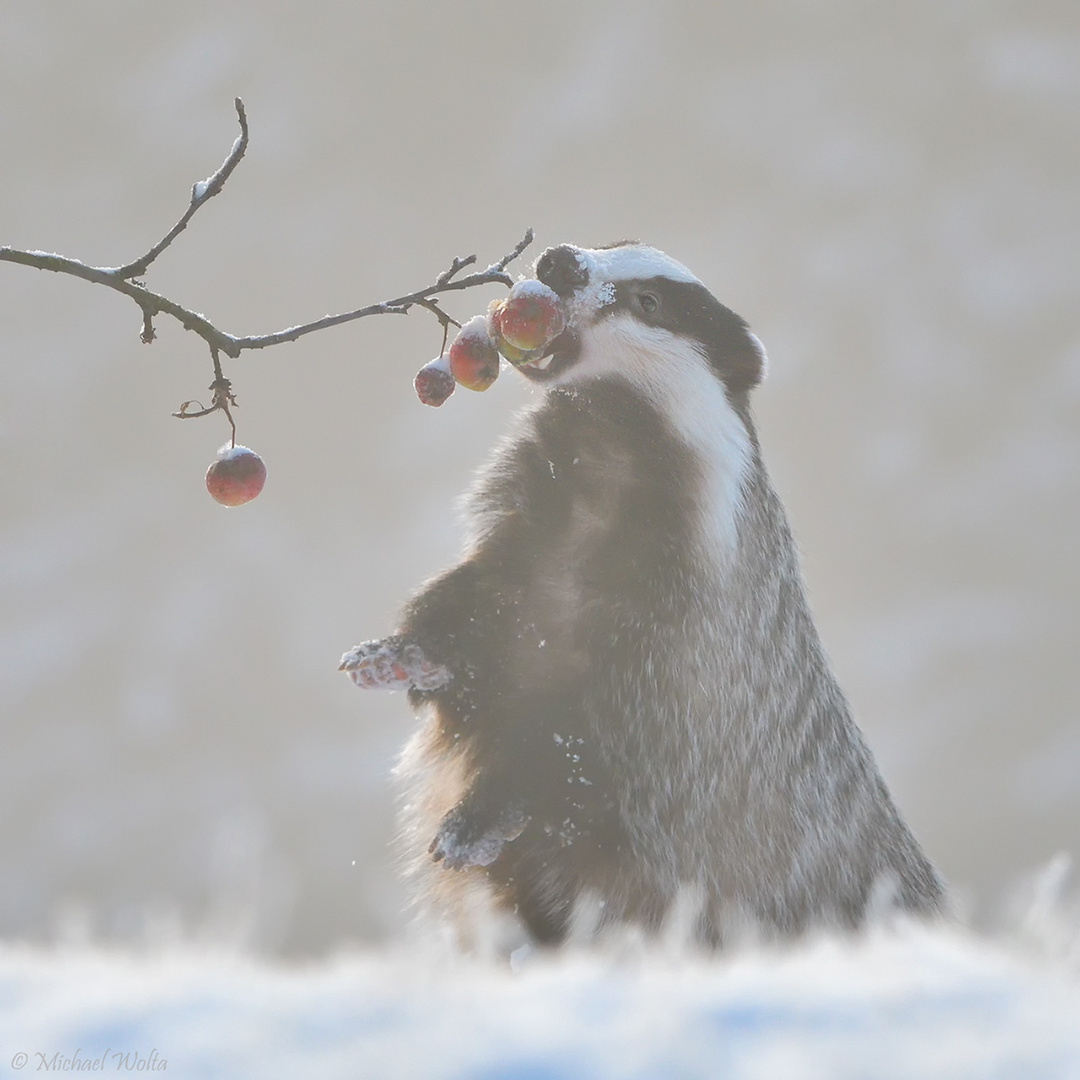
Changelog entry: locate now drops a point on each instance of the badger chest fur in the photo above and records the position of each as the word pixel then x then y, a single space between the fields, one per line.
pixel 622 690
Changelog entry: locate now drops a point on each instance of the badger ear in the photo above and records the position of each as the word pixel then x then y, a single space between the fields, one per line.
pixel 763 358
pixel 741 362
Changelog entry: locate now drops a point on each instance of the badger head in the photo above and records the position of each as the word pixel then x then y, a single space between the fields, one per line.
pixel 637 314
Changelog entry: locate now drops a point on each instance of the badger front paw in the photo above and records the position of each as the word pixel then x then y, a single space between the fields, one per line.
pixel 392 664
pixel 466 838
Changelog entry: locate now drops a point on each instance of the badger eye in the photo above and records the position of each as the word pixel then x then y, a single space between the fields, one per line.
pixel 647 303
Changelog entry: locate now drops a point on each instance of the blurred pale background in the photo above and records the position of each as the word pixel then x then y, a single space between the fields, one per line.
pixel 887 192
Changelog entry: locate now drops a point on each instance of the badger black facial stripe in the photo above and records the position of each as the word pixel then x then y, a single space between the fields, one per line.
pixel 684 308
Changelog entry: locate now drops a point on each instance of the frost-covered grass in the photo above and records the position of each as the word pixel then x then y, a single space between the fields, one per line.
pixel 906 1002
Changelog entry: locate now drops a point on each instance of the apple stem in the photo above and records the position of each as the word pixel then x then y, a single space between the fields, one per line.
pixel 222 400
pixel 223 395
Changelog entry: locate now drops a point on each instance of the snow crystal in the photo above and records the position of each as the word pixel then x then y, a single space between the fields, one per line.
pixel 605 294
pixel 535 288
pixel 478 325
pixel 442 361
pixel 582 307
pixel 228 452
pixel 199 190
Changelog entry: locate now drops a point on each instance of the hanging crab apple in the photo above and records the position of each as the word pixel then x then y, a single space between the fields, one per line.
pixel 236 477
pixel 474 359
pixel 433 382
pixel 515 356
pixel 528 320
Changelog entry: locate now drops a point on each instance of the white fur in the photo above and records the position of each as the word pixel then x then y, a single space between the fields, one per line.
pixel 675 378
pixel 631 262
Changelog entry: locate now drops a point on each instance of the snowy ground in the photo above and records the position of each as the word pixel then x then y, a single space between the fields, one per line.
pixel 904 1003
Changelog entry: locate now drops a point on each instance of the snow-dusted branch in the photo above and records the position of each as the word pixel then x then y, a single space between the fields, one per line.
pixel 200 193
pixel 495 273
pixel 123 278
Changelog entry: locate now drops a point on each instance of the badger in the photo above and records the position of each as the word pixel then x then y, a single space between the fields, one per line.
pixel 624 696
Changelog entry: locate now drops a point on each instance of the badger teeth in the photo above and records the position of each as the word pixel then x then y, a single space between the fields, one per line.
pixel 541 363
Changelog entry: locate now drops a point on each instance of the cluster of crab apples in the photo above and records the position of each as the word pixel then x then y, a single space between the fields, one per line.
pixel 519 328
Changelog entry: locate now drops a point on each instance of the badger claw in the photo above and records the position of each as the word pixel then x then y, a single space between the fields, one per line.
pixel 392 664
pixel 464 841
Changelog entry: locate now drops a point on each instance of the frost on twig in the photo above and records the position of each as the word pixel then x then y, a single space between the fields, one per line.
pixel 124 279
pixel 200 193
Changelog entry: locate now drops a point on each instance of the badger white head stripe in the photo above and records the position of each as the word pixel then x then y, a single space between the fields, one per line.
pixel 630 262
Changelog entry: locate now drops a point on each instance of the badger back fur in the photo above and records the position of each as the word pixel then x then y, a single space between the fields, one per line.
pixel 638 701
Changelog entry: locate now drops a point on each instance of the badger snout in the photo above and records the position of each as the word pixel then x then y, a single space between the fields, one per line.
pixel 563 269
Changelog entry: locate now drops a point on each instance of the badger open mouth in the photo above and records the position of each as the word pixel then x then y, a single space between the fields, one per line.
pixel 541 363
pixel 561 353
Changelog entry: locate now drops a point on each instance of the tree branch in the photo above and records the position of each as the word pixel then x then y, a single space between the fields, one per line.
pixel 400 305
pixel 121 278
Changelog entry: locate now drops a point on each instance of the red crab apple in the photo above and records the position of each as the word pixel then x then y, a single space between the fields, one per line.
pixel 529 319
pixel 236 477
pixel 433 382
pixel 506 350
pixel 517 357
pixel 474 360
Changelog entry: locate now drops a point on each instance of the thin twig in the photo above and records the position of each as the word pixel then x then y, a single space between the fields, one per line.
pixel 222 400
pixel 200 193
pixel 445 320
pixel 455 266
